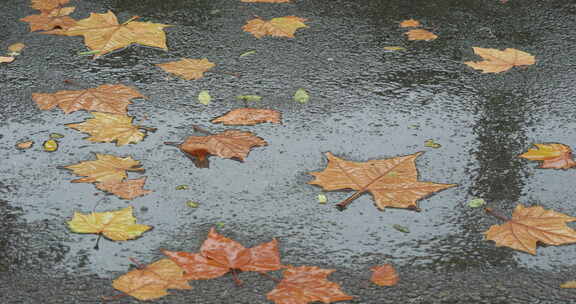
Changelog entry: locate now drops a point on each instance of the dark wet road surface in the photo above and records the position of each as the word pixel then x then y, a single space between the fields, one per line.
pixel 365 103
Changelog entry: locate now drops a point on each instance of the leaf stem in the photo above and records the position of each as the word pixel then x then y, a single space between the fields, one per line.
pixel 495 214
pixel 96 247
pixel 235 277
pixel 199 129
pixel 148 129
pixel 344 204
pixel 130 20
pixel 138 264
pixel 112 298
pixel 172 143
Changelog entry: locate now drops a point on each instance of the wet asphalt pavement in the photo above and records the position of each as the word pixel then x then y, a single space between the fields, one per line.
pixel 365 103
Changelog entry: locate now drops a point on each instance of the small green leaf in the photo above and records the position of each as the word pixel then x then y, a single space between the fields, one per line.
pixel 392 174
pixel 220 224
pixel 251 98
pixel 88 53
pixel 50 145
pixel 301 96
pixel 204 97
pixel 192 204
pixel 476 203
pixel 401 228
pixel 431 144
pixel 322 198
pixel 182 187
pixel 248 53
pixel 56 135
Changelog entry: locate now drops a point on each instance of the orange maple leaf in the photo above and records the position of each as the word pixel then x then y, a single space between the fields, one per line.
pixel 306 284
pixel 248 117
pixel 393 182
pixel 384 275
pixel 228 144
pixel 279 27
pixel 105 98
pixel 103 33
pixel 55 21
pixel 530 225
pixel 127 189
pixel 188 68
pixel 47 5
pixel 555 156
pixel 420 34
pixel 220 255
pixel 496 61
pixel 150 282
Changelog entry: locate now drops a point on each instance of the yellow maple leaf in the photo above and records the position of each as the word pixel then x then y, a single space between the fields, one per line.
pixel 102 33
pixel 279 27
pixel 420 34
pixel 152 281
pixel 496 61
pixel 556 156
pixel 105 169
pixel 106 127
pixel 188 68
pixel 115 225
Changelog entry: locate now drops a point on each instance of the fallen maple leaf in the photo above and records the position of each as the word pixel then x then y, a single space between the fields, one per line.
pixel 279 27
pixel 569 284
pixel 47 5
pixel 102 33
pixel 393 182
pixel 306 284
pixel 219 255
pixel 496 61
pixel 410 23
pixel 115 225
pixel 530 225
pixel 228 144
pixel 105 98
pixel 105 169
pixel 56 21
pixel 420 34
pixel 384 275
pixel 106 127
pixel 16 47
pixel 188 68
pixel 248 117
pixel 128 189
pixel 556 156
pixel 151 281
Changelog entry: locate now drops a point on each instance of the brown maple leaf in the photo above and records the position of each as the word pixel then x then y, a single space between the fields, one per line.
pixel 105 127
pixel 306 284
pixel 530 225
pixel 384 275
pixel 188 68
pixel 420 34
pixel 496 61
pixel 228 144
pixel 47 5
pixel 393 182
pixel 279 27
pixel 128 189
pixel 248 117
pixel 150 282
pixel 105 98
pixel 220 255
pixel 555 156
pixel 410 23
pixel 55 21
pixel 105 169
pixel 104 34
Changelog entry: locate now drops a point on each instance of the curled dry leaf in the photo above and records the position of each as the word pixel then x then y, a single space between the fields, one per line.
pixel 384 275
pixel 530 225
pixel 104 34
pixel 105 98
pixel 228 144
pixel 555 156
pixel 410 23
pixel 420 34
pixel 128 189
pixel 496 61
pixel 306 284
pixel 114 225
pixel 393 182
pixel 152 281
pixel 219 255
pixel 248 117
pixel 279 27
pixel 55 21
pixel 106 127
pixel 188 68
pixel 105 169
